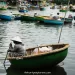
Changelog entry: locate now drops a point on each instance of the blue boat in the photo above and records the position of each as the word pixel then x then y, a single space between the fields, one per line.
pixel 5 15
pixel 53 22
pixel 24 11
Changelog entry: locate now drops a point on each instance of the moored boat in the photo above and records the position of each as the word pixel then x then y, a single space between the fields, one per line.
pixel 63 10
pixel 42 8
pixel 5 17
pixel 39 19
pixel 53 22
pixel 23 9
pixel 67 20
pixel 11 7
pixel 72 10
pixel 40 60
pixel 49 20
pixel 27 18
pixel 3 5
pixel 8 16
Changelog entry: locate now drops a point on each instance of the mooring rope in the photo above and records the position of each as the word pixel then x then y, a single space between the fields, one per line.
pixel 63 21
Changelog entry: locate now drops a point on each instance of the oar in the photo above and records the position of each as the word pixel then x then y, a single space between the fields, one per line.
pixel 5 58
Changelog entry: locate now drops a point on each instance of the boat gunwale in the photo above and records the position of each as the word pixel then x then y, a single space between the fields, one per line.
pixel 40 54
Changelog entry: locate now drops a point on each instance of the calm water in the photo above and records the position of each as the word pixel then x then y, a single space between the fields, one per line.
pixel 34 34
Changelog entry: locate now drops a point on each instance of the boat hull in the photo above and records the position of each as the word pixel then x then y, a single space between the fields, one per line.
pixel 23 11
pixel 41 61
pixel 67 20
pixel 72 10
pixel 53 22
pixel 63 10
pixel 3 8
pixel 5 17
pixel 40 19
pixel 28 18
pixel 42 9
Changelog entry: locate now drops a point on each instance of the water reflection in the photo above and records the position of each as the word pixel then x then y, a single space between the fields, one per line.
pixel 53 71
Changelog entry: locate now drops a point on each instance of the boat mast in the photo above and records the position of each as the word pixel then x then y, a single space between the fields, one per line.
pixel 63 21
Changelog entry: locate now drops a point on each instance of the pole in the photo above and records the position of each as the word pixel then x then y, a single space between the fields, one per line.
pixel 5 59
pixel 63 21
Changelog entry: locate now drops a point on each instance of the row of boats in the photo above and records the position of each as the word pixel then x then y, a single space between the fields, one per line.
pixel 8 16
pixel 42 19
pixel 63 8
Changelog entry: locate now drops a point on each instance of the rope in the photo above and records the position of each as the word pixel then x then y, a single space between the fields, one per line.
pixel 63 23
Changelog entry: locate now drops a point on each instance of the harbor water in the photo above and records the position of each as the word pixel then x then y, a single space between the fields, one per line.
pixel 34 34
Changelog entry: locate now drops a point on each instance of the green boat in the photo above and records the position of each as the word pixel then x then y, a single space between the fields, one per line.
pixel 27 18
pixel 31 18
pixel 3 8
pixel 3 5
pixel 39 18
pixel 63 10
pixel 40 60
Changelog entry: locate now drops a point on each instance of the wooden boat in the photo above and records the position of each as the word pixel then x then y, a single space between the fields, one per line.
pixel 27 18
pixel 34 7
pixel 74 17
pixel 42 8
pixel 10 7
pixel 53 22
pixel 3 5
pixel 67 20
pixel 72 10
pixel 63 10
pixel 39 18
pixel 40 60
pixel 23 9
pixel 3 8
pixel 5 15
